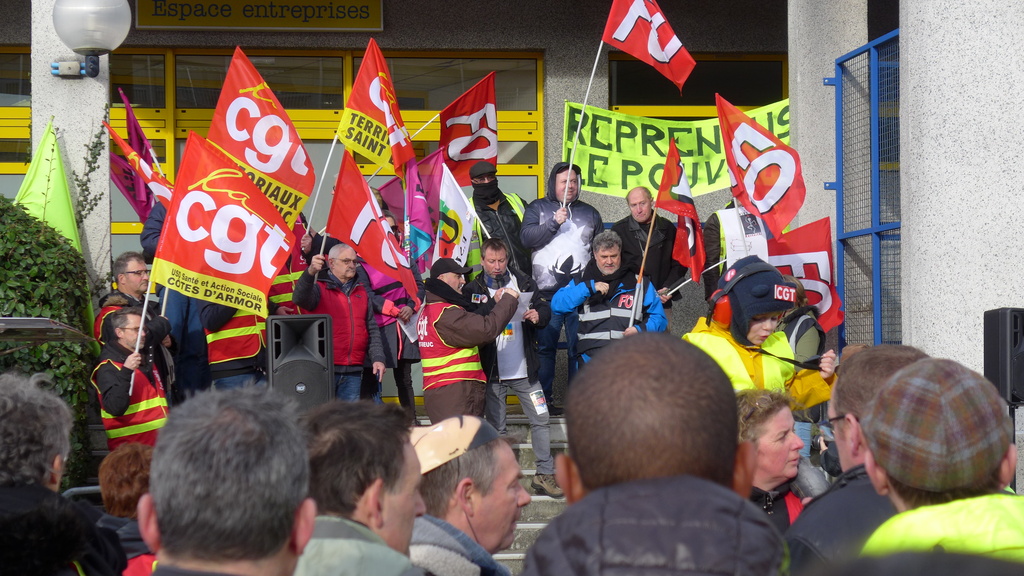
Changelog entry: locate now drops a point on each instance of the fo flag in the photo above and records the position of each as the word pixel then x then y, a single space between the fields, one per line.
pixel 458 219
pixel 806 253
pixel 469 130
pixel 765 173
pixel 371 123
pixel 356 220
pixel 674 196
pixel 253 129
pixel 223 241
pixel 639 28
pixel 155 181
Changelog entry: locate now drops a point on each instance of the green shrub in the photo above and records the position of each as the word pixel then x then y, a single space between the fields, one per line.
pixel 42 275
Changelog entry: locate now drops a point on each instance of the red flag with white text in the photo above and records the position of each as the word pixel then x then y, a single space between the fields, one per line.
pixel 157 183
pixel 223 241
pixel 469 130
pixel 371 123
pixel 639 28
pixel 674 195
pixel 806 253
pixel 765 173
pixel 356 220
pixel 254 130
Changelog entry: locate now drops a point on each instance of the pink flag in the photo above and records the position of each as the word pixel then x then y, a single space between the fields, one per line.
pixel 429 170
pixel 125 177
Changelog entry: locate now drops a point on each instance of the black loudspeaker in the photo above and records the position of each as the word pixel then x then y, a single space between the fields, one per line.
pixel 1004 351
pixel 301 358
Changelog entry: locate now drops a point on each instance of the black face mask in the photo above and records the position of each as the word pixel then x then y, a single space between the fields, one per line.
pixel 487 193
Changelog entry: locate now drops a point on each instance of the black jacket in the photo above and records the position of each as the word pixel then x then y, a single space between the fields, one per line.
pixel 489 352
pixel 680 525
pixel 663 270
pixel 505 224
pixel 836 524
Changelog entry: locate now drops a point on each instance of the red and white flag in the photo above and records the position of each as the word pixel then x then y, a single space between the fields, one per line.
pixel 157 183
pixel 457 221
pixel 371 123
pixel 469 130
pixel 765 173
pixel 806 253
pixel 639 28
pixel 674 195
pixel 253 129
pixel 356 220
pixel 223 241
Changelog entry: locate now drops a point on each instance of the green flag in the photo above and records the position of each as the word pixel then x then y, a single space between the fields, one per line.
pixel 44 193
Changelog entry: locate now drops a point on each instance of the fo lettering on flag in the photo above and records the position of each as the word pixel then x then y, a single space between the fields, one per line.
pixel 674 195
pixel 223 241
pixel 157 183
pixel 253 129
pixel 806 253
pixel 371 123
pixel 357 220
pixel 469 130
pixel 458 219
pixel 765 173
pixel 639 28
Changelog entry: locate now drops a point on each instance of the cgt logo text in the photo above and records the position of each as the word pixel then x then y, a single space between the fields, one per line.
pixel 787 293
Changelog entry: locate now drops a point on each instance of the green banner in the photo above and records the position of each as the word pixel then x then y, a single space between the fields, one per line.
pixel 618 152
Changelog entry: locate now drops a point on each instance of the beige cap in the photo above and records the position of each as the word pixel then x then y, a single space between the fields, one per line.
pixel 449 439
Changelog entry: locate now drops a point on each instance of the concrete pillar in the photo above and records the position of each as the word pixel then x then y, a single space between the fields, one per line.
pixel 960 180
pixel 77 107
pixel 818 34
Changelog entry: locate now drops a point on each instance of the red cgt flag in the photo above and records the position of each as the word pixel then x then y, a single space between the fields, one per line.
pixel 253 129
pixel 806 253
pixel 765 173
pixel 639 28
pixel 674 195
pixel 158 184
pixel 356 220
pixel 223 241
pixel 469 130
pixel 371 123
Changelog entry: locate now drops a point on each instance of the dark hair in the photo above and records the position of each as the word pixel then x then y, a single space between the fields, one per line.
pixel 120 265
pixel 124 478
pixel 35 426
pixel 479 465
pixel 651 406
pixel 493 244
pixel 351 445
pixel 865 373
pixel 119 317
pixel 754 408
pixel 229 473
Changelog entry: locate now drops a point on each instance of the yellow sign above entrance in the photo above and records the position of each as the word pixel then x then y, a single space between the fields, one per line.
pixel 306 15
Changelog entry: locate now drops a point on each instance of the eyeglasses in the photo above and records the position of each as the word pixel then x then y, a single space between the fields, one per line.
pixel 137 272
pixel 130 328
pixel 838 417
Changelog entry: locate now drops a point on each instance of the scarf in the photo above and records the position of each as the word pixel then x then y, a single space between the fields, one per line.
pixel 592 272
pixel 499 282
pixel 486 194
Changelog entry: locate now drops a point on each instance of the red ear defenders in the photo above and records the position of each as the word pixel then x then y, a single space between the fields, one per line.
pixel 719 307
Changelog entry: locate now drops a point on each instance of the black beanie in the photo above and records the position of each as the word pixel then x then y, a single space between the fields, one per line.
pixel 759 290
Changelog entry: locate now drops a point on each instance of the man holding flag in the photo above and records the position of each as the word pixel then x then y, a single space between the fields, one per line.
pixel 499 215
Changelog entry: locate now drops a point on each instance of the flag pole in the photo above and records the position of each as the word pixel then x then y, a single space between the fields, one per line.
pixel 583 113
pixel 681 284
pixel 643 263
pixel 138 337
pixel 320 184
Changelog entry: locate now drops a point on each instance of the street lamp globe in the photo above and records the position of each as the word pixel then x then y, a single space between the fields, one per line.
pixel 92 27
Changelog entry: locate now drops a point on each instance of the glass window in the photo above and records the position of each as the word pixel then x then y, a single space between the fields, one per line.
pixel 743 82
pixel 15 88
pixel 141 76
pixel 432 83
pixel 299 82
pixel 15 150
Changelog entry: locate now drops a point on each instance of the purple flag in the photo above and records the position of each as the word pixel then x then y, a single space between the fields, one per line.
pixel 129 182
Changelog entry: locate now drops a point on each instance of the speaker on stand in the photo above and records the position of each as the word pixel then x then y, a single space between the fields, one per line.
pixel 1004 357
pixel 301 358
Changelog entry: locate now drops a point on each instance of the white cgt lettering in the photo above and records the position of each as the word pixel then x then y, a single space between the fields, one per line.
pixel 395 135
pixel 276 152
pixel 745 133
pixel 367 217
pixel 637 11
pixel 457 148
pixel 244 250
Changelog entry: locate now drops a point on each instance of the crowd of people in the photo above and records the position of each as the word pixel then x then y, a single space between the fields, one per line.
pixel 686 456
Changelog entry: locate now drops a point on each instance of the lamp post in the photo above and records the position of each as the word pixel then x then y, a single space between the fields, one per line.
pixel 92 28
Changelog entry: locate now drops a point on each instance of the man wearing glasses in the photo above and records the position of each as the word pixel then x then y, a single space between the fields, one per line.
pixel 132 277
pixel 354 330
pixel 131 393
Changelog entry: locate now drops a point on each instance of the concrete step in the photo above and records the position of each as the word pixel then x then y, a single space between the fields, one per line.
pixel 518 426
pixel 542 509
pixel 512 560
pixel 527 459
pixel 526 534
